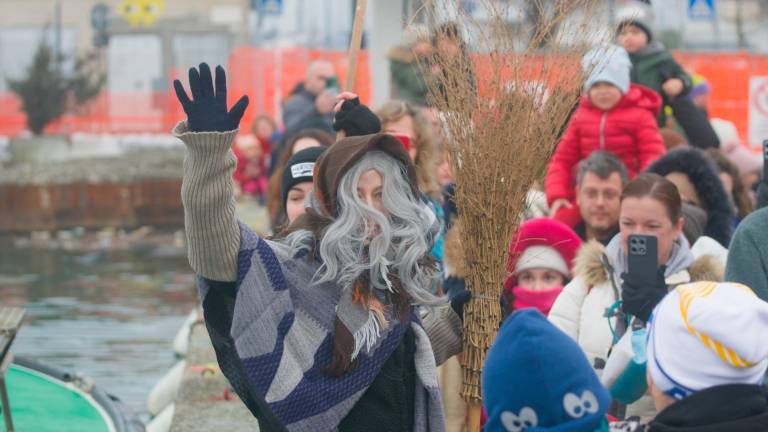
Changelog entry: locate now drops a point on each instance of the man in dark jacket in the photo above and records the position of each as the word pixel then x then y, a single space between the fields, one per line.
pixel 314 100
pixel 309 106
pixel 707 358
pixel 406 66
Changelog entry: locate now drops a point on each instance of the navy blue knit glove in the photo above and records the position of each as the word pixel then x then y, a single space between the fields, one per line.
pixel 207 111
pixel 356 119
pixel 458 301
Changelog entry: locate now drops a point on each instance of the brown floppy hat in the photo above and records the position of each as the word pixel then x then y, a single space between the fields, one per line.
pixel 344 154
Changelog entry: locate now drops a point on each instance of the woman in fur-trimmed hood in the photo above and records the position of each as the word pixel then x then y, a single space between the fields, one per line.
pixel 593 273
pixel 597 306
pixel 698 182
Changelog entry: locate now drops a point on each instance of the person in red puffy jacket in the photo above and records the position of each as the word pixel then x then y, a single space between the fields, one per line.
pixel 614 116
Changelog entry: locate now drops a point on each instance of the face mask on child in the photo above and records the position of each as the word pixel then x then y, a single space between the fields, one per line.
pixel 539 299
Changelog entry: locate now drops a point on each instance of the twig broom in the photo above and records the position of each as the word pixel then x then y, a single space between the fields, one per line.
pixel 502 113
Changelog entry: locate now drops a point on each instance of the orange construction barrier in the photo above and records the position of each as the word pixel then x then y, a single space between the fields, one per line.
pixel 268 76
pixel 728 73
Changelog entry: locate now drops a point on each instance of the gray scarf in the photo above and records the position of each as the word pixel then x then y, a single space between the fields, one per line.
pixel 680 259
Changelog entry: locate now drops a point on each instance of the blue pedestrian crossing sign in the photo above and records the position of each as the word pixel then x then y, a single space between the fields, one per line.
pixel 702 10
pixel 268 7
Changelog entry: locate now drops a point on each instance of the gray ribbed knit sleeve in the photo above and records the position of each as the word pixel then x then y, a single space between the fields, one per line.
pixel 444 328
pixel 213 235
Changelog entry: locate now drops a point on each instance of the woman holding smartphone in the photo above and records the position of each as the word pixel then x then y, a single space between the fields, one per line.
pixel 595 308
pixel 598 306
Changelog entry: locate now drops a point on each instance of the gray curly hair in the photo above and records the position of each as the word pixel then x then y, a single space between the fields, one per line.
pixel 404 236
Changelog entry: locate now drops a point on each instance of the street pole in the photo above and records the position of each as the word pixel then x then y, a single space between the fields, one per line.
pixel 740 25
pixel 57 34
pixel 612 13
pixel 716 28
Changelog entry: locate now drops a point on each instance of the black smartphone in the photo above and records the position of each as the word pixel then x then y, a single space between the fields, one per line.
pixel 642 258
pixel 765 161
pixel 332 84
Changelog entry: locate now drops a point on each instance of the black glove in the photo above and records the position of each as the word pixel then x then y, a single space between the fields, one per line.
pixel 638 298
pixel 356 119
pixel 453 285
pixel 458 301
pixel 207 112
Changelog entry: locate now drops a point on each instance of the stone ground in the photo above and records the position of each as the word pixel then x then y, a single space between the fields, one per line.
pixel 201 403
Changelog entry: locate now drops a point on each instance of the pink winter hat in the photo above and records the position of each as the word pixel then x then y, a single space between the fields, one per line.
pixel 541 242
pixel 730 145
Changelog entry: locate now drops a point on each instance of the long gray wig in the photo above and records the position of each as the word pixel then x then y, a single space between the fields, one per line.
pixel 404 236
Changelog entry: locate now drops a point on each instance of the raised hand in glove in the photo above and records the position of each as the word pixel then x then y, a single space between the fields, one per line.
pixel 638 297
pixel 354 118
pixel 207 110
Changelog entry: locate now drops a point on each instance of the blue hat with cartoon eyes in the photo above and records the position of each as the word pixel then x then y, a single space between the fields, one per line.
pixel 536 378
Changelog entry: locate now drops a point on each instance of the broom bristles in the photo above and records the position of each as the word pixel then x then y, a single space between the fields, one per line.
pixel 503 112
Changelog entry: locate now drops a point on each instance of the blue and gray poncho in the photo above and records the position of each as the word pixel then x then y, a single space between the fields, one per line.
pixel 281 332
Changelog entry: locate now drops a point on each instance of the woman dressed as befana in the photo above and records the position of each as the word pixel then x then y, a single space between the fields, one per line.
pixel 331 324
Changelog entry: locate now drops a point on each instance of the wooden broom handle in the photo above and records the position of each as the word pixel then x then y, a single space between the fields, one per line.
pixel 354 51
pixel 474 417
pixel 354 45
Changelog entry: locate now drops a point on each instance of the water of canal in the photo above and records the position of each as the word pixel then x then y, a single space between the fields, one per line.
pixel 107 311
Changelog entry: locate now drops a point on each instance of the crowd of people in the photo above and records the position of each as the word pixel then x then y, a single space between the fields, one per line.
pixel 349 317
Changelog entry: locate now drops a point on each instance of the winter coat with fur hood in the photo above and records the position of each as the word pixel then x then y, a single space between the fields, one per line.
pixel 580 309
pixel 703 175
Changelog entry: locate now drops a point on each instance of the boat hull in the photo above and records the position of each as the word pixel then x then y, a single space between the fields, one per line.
pixel 45 399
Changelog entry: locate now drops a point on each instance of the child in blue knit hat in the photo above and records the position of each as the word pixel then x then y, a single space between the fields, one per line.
pixel 537 379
